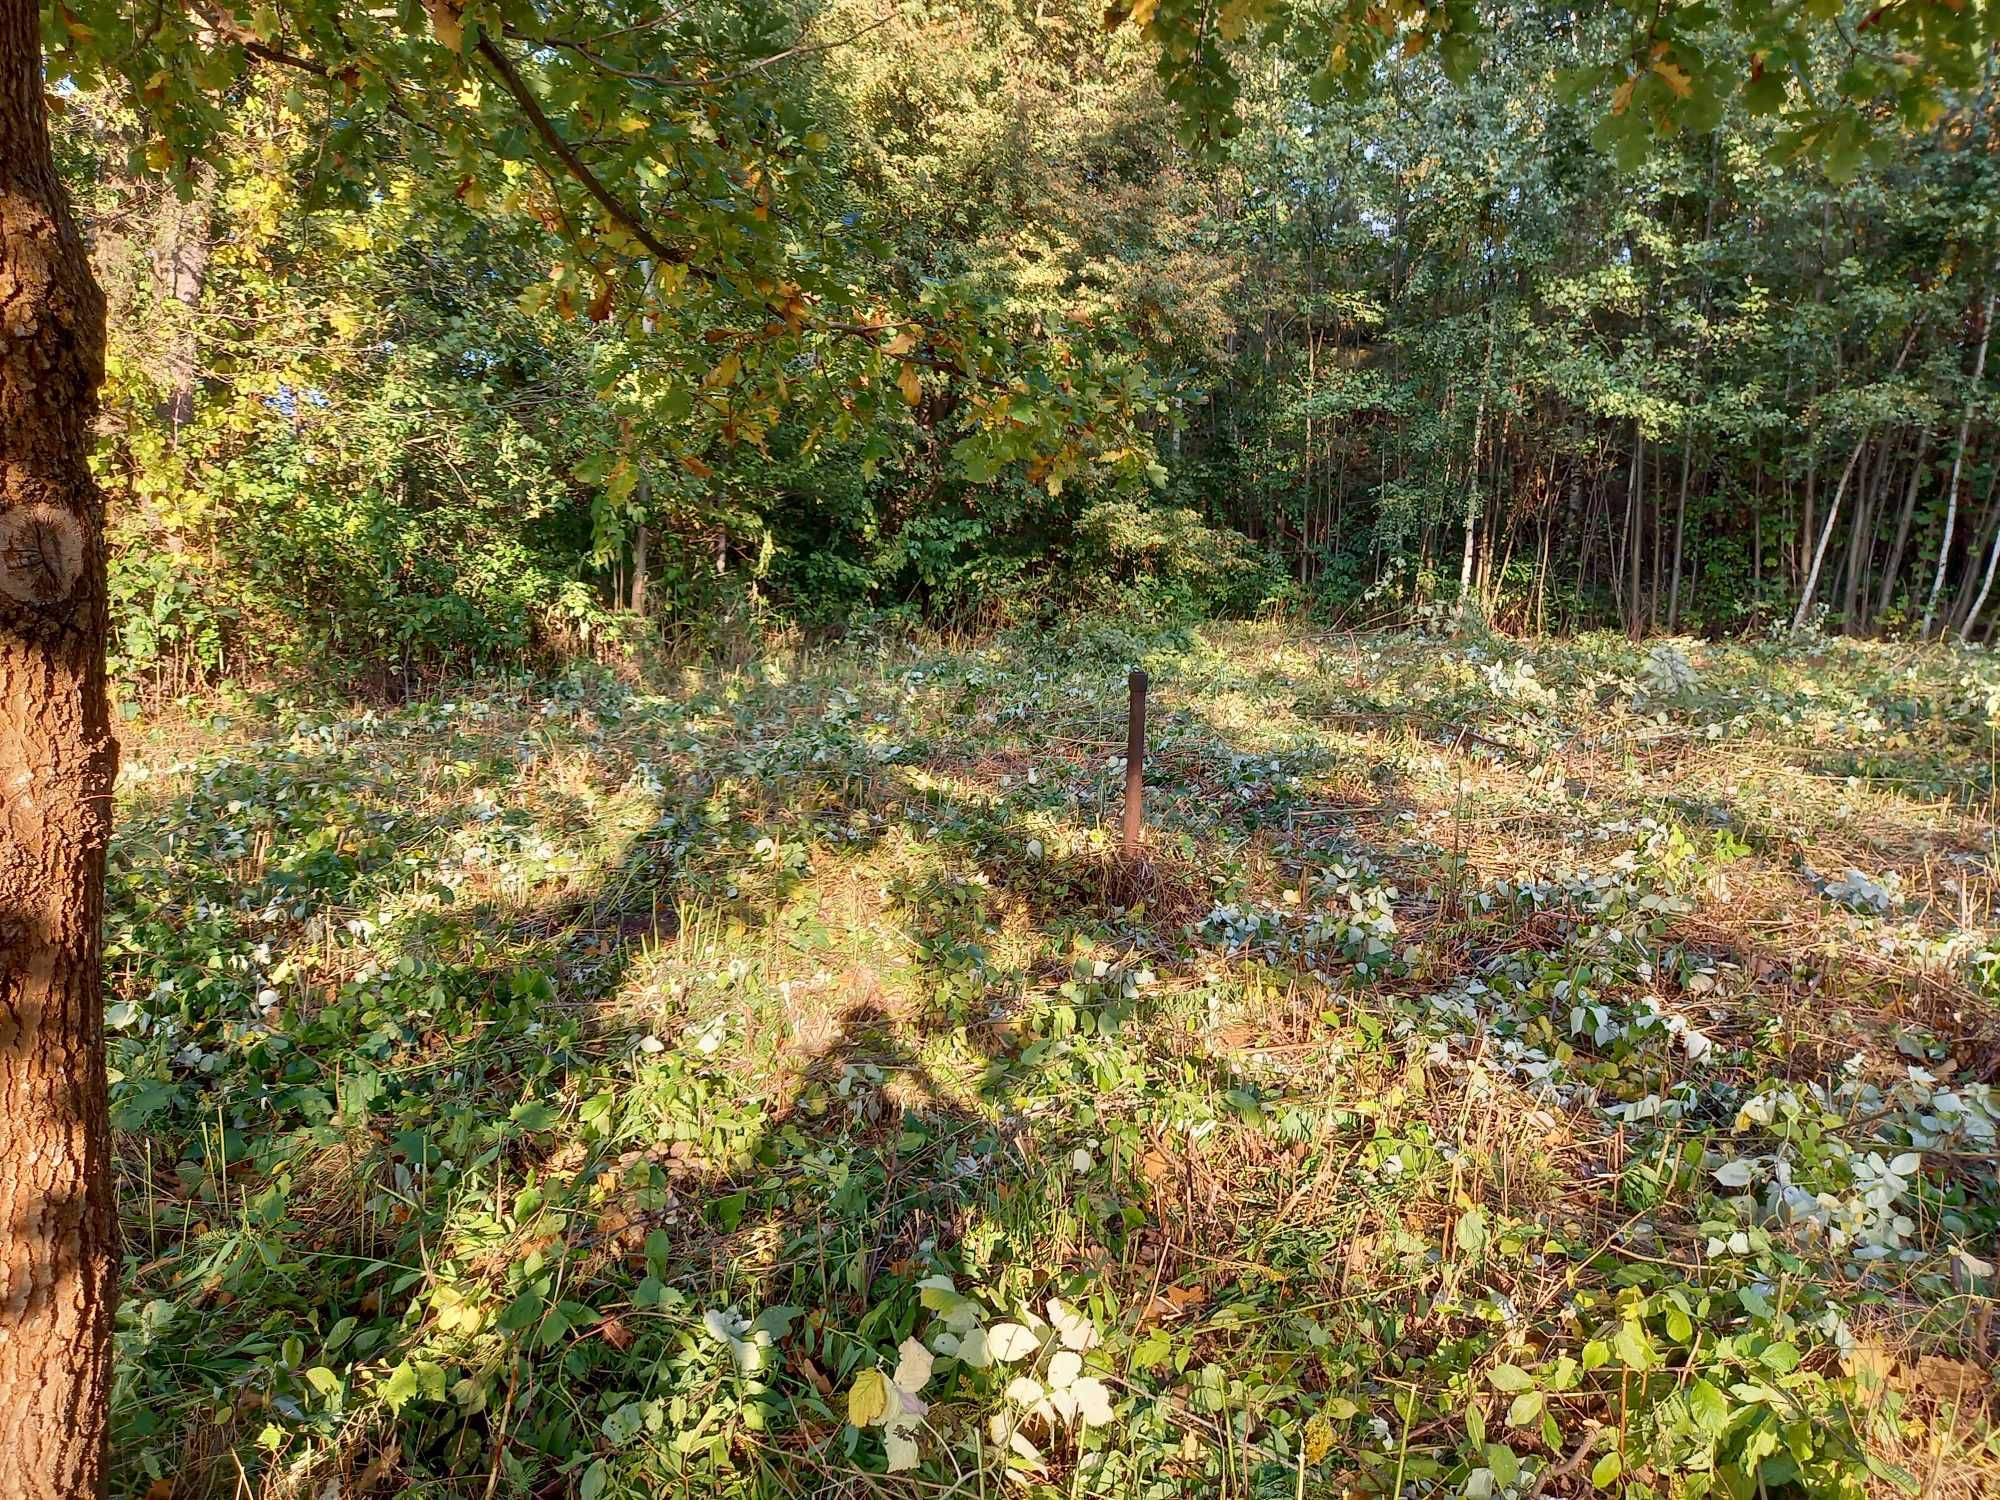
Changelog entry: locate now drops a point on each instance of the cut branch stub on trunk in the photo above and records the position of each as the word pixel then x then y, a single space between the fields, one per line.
pixel 57 764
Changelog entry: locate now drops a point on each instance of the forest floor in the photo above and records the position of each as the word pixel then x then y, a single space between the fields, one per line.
pixel 1518 1070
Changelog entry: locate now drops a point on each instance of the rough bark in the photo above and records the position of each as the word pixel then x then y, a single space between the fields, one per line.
pixel 57 764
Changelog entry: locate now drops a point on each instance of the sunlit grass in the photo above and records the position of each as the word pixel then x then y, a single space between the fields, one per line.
pixel 568 1086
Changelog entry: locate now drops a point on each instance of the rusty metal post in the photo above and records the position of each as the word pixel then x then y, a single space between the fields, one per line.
pixel 1135 763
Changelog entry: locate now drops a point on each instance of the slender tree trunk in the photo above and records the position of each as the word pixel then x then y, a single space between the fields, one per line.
pixel 1633 504
pixel 1680 531
pixel 58 761
pixel 1833 505
pixel 1957 468
pixel 1586 550
pixel 1541 617
pixel 1861 535
pixel 1659 532
pixel 1894 565
pixel 1474 502
pixel 1312 363
pixel 1801 541
pixel 1966 614
pixel 1807 589
pixel 1757 540
pixel 180 267
pixel 641 537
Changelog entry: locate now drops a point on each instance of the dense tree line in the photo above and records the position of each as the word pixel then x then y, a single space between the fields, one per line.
pixel 1715 392
pixel 1430 348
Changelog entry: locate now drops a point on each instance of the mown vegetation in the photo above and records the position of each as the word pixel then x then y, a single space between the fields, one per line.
pixel 1518 1071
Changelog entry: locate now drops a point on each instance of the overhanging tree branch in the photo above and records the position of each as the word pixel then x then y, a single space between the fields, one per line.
pixel 575 165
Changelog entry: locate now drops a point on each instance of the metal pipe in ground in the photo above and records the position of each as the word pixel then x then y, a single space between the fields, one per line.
pixel 1135 763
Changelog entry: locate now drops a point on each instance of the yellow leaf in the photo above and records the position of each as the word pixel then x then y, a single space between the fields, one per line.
pixel 910 384
pixel 1234 20
pixel 1622 99
pixel 1142 12
pixel 902 343
pixel 1676 78
pixel 447 24
pixel 724 373
pixel 1319 1439
pixel 868 1398
pixel 1871 1366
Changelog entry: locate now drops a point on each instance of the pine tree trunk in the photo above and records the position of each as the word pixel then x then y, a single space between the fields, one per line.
pixel 57 763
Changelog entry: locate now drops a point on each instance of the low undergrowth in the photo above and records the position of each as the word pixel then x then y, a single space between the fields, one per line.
pixel 1514 1072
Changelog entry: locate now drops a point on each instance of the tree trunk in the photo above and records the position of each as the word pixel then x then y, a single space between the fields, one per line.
pixel 1967 609
pixel 1757 540
pixel 1811 585
pixel 180 267
pixel 640 545
pixel 1861 533
pixel 1833 506
pixel 1473 503
pixel 58 1267
pixel 1633 505
pixel 1680 530
pixel 1894 565
pixel 1659 518
pixel 1957 468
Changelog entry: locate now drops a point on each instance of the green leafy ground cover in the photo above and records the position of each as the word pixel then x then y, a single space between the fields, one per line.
pixel 1518 1071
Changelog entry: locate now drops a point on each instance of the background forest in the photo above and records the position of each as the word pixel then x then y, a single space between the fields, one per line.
pixel 1429 346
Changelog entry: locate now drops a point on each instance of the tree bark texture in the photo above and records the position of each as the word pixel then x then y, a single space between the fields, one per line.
pixel 57 764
